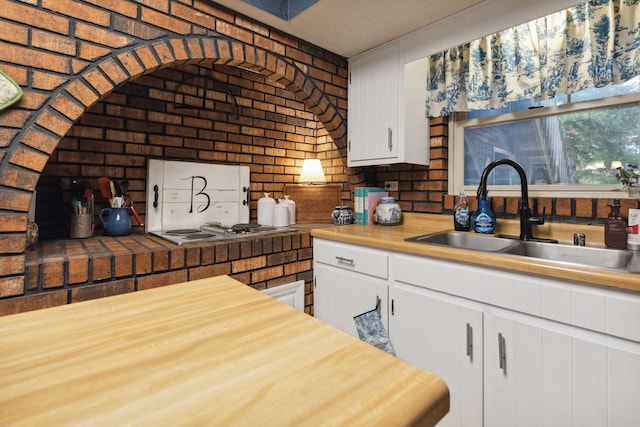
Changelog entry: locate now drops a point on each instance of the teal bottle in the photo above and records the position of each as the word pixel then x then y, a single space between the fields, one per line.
pixel 483 220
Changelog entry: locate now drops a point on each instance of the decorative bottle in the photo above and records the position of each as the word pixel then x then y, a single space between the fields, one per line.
pixel 461 217
pixel 483 220
pixel 615 228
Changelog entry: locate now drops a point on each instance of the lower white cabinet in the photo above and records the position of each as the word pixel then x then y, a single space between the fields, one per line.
pixel 348 281
pixel 514 349
pixel 340 295
pixel 544 373
pixel 553 353
pixel 442 334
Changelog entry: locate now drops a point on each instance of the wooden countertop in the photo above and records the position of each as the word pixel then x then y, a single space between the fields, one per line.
pixel 392 238
pixel 207 352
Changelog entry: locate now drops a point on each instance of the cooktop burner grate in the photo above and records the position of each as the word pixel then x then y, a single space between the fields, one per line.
pixel 210 232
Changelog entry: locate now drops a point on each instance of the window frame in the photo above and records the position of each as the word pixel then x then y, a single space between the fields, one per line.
pixel 458 123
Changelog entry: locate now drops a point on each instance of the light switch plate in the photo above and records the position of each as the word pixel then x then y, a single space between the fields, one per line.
pixel 391 185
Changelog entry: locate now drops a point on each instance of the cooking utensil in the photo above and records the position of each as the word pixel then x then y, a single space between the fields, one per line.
pixel 119 192
pixel 136 216
pixel 124 187
pixel 105 189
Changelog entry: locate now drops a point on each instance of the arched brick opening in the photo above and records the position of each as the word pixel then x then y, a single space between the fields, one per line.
pixel 31 147
pixel 96 82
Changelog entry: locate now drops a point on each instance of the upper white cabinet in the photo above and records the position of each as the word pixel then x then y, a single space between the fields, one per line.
pixel 387 122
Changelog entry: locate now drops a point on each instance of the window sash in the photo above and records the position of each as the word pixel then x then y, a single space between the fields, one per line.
pixel 458 123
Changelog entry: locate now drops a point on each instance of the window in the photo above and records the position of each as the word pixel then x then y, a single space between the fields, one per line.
pixel 568 146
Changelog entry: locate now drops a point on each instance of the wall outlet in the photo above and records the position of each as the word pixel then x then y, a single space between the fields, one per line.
pixel 391 185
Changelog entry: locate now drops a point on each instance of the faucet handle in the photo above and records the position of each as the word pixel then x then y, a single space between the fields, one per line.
pixel 538 220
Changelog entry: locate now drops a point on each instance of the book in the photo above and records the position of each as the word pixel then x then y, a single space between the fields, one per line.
pixel 358 206
pixel 372 201
pixel 360 203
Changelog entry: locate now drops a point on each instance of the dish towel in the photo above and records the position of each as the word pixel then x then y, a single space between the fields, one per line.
pixel 371 330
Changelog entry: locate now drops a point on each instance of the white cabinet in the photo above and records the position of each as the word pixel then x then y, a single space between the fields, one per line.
pixel 386 116
pixel 348 281
pixel 544 373
pixel 514 349
pixel 291 294
pixel 556 353
pixel 443 335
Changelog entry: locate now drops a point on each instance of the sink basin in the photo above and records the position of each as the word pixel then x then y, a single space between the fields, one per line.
pixel 476 242
pixel 588 256
pixel 583 255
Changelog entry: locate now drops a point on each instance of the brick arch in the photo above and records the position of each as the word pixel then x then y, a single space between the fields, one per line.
pixel 98 81
pixel 32 147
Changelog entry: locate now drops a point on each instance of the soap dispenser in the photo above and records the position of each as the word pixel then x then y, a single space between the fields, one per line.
pixel 483 220
pixel 615 229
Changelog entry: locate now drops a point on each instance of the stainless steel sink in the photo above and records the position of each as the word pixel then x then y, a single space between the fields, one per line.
pixel 476 242
pixel 587 256
pixel 583 255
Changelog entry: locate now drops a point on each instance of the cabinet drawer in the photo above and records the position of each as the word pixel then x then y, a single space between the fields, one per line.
pixel 350 257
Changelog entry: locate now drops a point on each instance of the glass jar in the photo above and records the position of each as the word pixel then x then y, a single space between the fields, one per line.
pixel 388 212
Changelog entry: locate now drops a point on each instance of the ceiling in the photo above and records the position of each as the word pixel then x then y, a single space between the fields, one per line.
pixel 350 27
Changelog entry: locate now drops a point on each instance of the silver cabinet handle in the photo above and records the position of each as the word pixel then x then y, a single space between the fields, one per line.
pixel 390 138
pixel 344 260
pixel 470 341
pixel 502 353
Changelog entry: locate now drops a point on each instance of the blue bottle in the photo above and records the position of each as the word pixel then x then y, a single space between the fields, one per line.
pixel 483 220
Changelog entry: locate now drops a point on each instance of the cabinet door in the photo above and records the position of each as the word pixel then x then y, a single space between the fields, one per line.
pixel 443 335
pixel 340 294
pixel 542 373
pixel 373 105
pixel 513 364
pixel 624 384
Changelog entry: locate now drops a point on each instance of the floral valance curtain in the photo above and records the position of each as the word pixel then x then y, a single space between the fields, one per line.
pixel 589 45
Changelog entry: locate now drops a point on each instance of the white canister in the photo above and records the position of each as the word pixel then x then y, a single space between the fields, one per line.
pixel 633 230
pixel 292 209
pixel 281 215
pixel 266 208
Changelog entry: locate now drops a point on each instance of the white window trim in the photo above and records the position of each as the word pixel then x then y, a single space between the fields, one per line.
pixel 456 154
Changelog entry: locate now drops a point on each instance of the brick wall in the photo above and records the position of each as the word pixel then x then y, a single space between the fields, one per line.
pixel 108 85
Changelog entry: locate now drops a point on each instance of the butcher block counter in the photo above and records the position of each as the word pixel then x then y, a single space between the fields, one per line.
pixel 207 352
pixel 393 238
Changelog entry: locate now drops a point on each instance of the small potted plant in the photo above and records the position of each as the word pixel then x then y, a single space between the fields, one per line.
pixel 629 179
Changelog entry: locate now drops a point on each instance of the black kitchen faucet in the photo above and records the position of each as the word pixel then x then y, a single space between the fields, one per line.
pixel 524 211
